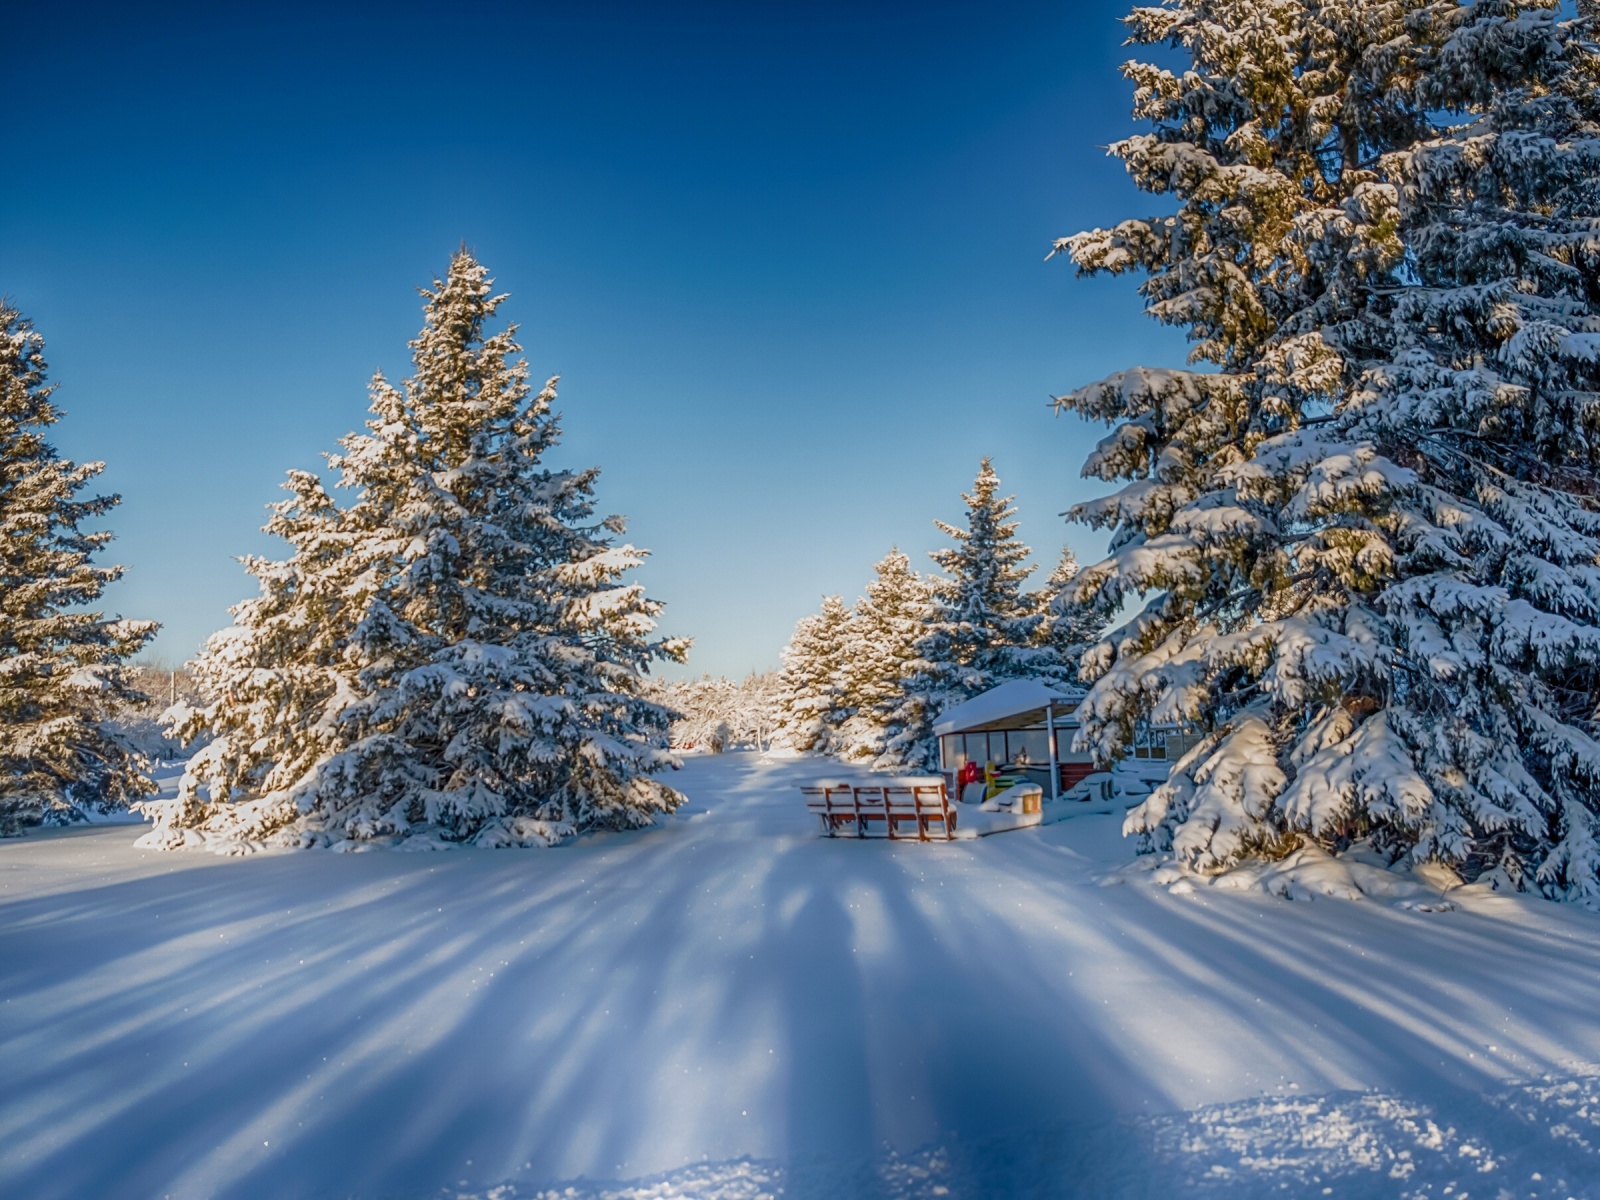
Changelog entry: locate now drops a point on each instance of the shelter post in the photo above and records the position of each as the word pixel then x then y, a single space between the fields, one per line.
pixel 1050 733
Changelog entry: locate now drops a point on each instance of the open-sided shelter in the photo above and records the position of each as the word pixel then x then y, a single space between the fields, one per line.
pixel 1024 725
pixel 1027 727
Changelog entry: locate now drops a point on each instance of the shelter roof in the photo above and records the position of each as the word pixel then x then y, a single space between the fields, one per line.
pixel 1016 704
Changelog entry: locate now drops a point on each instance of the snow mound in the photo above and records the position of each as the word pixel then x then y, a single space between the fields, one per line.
pixel 1304 875
pixel 1015 799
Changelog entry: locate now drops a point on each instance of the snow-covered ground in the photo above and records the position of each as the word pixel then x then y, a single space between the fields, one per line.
pixel 729 1006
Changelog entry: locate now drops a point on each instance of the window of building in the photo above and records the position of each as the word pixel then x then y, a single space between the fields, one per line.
pixel 952 752
pixel 1035 743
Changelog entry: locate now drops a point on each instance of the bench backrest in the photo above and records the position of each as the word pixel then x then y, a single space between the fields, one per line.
pixel 870 798
pixel 900 796
pixel 841 797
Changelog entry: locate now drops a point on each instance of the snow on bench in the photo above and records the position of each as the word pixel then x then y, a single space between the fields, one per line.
pixel 894 807
pixel 882 809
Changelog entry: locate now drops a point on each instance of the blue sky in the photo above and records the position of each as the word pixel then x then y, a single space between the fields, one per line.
pixel 787 260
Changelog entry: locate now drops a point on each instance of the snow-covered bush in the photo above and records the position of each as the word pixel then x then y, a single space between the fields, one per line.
pixel 450 649
pixel 62 674
pixel 1367 532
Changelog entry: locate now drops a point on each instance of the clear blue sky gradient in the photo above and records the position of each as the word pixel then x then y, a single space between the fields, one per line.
pixel 786 259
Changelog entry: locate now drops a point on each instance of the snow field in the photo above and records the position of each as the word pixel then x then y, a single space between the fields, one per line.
pixel 730 1006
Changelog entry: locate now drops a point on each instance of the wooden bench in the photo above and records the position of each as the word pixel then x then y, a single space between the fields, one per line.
pixel 920 801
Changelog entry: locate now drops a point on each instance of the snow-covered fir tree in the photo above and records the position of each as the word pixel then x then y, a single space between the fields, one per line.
pixel 452 653
pixel 982 626
pixel 62 677
pixel 811 686
pixel 879 650
pixel 1068 625
pixel 1369 534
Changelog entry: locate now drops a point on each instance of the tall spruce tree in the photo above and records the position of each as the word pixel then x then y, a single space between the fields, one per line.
pixel 982 626
pixel 454 652
pixel 880 648
pixel 1068 625
pixel 811 687
pixel 1370 533
pixel 61 662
